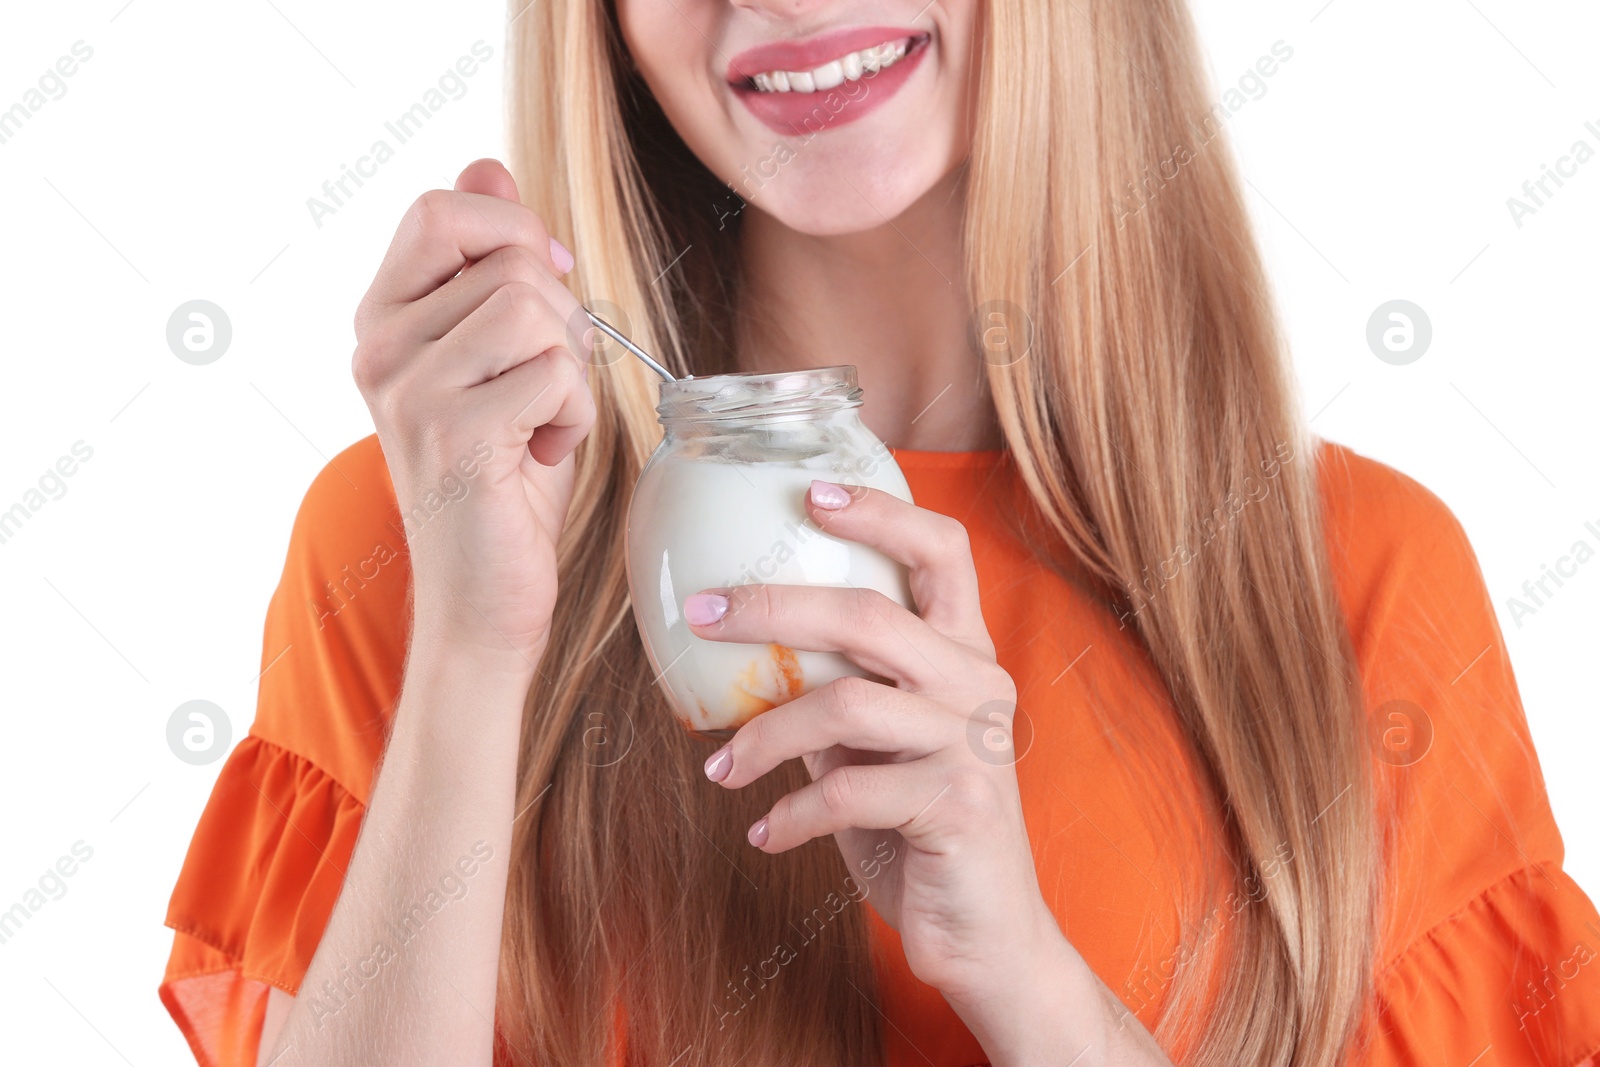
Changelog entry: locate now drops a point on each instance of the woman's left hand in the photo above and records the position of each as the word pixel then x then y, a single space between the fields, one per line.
pixel 921 760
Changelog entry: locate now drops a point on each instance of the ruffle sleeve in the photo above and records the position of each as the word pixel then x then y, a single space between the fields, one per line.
pixel 260 880
pixel 1490 952
pixel 268 856
pixel 1513 977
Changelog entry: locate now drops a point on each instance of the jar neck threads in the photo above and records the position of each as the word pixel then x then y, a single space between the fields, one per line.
pixel 724 400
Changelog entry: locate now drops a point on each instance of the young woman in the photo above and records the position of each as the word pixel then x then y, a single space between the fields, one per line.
pixel 1273 799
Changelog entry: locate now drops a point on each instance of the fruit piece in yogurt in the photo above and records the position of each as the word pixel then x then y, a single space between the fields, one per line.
pixel 766 683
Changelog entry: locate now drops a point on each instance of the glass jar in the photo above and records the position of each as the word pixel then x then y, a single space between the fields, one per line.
pixel 722 503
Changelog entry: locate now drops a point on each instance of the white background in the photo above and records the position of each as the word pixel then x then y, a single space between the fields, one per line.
pixel 177 166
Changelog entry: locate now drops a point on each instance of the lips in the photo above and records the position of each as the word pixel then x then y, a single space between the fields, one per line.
pixel 802 114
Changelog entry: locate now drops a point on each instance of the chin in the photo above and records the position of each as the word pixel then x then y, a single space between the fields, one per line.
pixel 827 199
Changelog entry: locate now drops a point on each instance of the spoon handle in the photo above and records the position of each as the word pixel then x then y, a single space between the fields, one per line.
pixel 616 335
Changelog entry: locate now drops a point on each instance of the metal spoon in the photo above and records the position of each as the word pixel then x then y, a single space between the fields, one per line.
pixel 616 335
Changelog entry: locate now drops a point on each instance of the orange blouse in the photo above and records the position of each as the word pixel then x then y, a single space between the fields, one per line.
pixel 1487 944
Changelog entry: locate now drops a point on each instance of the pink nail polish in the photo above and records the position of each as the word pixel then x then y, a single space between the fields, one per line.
pixel 758 833
pixel 720 763
pixel 828 496
pixel 703 609
pixel 560 256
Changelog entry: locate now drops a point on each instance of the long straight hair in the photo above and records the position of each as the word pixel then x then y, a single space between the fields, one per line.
pixel 1153 390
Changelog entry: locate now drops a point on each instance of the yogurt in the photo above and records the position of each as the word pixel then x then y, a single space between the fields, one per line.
pixel 722 504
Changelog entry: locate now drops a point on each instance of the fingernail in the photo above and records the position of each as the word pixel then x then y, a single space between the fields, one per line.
pixel 703 609
pixel 560 256
pixel 828 496
pixel 721 762
pixel 758 833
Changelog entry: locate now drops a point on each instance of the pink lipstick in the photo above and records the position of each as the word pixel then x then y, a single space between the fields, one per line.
pixel 831 79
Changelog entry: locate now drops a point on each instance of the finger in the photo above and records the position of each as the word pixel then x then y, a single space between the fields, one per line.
pixel 861 796
pixel 542 404
pixel 443 231
pixel 935 547
pixel 514 324
pixel 490 178
pixel 855 712
pixel 555 439
pixel 442 310
pixel 863 624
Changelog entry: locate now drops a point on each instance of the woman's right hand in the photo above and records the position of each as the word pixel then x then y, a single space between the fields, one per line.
pixel 465 358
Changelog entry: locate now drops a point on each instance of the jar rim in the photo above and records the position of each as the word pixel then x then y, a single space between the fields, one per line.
pixel 759 394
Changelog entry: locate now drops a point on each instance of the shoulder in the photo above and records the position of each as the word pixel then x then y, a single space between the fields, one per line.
pixel 1401 560
pixel 1462 800
pixel 335 637
pixel 348 524
pixel 351 495
pixel 1373 513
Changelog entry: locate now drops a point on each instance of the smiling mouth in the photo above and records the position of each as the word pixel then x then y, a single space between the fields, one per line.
pixel 800 88
pixel 853 66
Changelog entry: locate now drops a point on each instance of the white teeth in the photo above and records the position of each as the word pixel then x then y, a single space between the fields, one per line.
pixel 830 75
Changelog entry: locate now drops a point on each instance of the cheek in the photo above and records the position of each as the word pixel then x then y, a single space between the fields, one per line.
pixel 966 57
pixel 668 40
pixel 649 29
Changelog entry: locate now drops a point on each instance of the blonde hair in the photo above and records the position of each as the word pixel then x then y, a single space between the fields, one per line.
pixel 1154 389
